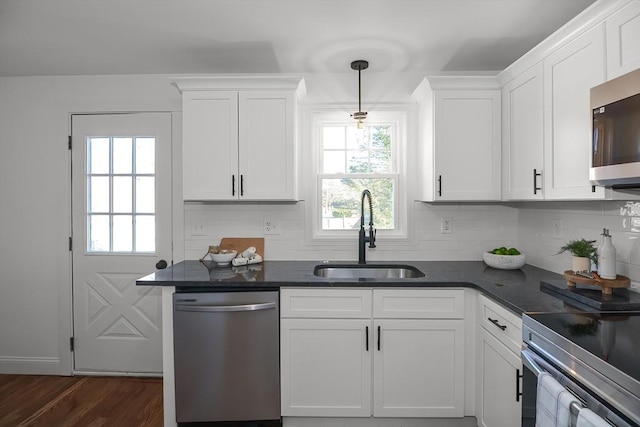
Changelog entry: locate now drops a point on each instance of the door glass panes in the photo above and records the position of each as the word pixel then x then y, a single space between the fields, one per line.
pixel 121 185
pixel 353 160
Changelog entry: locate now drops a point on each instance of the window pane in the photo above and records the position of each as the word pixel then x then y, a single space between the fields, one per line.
pixel 145 194
pixel 98 194
pixel 145 233
pixel 358 162
pixel 98 233
pixel 341 203
pixel 122 155
pixel 333 162
pixel 355 137
pixel 146 155
pixel 333 137
pixel 122 233
pixel 97 155
pixel 122 194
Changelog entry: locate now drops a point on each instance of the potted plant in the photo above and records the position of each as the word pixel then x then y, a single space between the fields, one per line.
pixel 584 252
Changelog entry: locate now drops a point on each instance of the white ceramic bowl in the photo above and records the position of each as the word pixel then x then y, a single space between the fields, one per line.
pixel 504 262
pixel 223 259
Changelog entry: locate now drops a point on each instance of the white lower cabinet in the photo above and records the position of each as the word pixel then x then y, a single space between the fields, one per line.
pixel 359 367
pixel 418 368
pixel 499 367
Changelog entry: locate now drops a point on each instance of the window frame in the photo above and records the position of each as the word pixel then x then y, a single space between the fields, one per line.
pixel 398 118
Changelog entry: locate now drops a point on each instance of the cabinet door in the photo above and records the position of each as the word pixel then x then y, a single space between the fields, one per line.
pixel 498 383
pixel 267 155
pixel 569 75
pixel 522 137
pixel 210 145
pixel 325 367
pixel 467 145
pixel 418 368
pixel 623 40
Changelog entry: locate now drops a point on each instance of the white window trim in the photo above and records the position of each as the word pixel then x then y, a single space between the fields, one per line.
pixel 311 116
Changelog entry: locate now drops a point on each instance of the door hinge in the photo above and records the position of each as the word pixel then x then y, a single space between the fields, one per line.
pixel 70 244
pixel 70 142
pixel 71 344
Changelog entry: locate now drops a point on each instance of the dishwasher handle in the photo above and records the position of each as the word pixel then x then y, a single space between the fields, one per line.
pixel 224 308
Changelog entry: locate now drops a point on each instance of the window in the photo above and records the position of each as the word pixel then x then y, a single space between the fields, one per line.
pixel 351 160
pixel 120 181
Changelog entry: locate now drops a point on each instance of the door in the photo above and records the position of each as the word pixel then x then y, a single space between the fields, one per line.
pixel 210 145
pixel 499 376
pixel 326 367
pixel 418 368
pixel 121 195
pixel 569 74
pixel 522 141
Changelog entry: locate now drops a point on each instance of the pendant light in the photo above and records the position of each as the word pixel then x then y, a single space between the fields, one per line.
pixel 359 115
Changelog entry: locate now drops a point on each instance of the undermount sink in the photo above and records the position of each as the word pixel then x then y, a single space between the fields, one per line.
pixel 367 271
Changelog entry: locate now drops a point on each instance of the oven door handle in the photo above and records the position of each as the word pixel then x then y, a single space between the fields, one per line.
pixel 530 360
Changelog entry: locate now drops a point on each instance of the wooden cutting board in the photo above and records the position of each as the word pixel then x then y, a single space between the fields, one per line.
pixel 241 243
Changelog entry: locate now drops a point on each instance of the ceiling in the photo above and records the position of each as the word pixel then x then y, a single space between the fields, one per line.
pixel 88 37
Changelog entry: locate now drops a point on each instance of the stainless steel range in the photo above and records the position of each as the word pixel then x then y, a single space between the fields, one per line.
pixel 594 355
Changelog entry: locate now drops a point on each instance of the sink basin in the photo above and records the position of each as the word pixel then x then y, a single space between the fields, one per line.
pixel 367 271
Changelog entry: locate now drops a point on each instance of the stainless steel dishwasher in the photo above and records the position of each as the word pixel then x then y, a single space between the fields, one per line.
pixel 226 356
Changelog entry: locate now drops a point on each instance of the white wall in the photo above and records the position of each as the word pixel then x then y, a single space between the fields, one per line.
pixel 537 222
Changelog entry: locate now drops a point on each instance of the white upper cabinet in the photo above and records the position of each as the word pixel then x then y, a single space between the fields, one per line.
pixel 569 74
pixel 239 137
pixel 522 136
pixel 459 122
pixel 623 40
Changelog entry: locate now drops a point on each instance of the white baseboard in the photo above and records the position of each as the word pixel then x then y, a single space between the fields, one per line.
pixel 30 365
pixel 378 422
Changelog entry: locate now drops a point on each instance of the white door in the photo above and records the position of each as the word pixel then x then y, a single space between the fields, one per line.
pixel 326 367
pixel 418 368
pixel 121 191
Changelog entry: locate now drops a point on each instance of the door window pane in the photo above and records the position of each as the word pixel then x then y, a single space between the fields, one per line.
pixel 98 194
pixel 122 233
pixel 122 155
pixel 145 155
pixel 98 155
pixel 121 186
pixel 145 194
pixel 145 233
pixel 98 233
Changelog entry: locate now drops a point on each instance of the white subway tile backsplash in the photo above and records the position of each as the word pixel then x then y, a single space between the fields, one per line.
pixel 476 228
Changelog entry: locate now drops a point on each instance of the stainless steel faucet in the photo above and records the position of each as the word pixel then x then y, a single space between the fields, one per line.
pixel 363 239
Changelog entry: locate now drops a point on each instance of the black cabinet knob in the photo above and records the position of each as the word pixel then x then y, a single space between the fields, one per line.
pixel 161 265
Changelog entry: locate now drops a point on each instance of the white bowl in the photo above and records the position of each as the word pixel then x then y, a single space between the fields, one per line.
pixel 504 262
pixel 225 258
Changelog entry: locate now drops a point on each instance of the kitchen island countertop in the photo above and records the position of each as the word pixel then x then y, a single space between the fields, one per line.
pixel 519 290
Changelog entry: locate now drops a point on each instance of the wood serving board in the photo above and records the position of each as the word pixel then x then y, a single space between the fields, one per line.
pixel 606 284
pixel 241 243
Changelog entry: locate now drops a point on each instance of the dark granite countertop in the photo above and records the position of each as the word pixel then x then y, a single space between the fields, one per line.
pixel 518 290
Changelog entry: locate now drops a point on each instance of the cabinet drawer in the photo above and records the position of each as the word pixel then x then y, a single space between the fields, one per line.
pixel 501 323
pixel 418 303
pixel 326 303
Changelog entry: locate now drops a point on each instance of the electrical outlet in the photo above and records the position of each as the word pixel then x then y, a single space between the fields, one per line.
pixel 557 228
pixel 198 230
pixel 445 225
pixel 271 226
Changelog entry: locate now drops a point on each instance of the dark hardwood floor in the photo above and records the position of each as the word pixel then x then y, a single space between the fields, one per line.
pixel 52 401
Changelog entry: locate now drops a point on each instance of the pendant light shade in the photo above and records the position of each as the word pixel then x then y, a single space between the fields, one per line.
pixel 359 115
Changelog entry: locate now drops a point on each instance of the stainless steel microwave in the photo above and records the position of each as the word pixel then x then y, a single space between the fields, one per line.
pixel 615 145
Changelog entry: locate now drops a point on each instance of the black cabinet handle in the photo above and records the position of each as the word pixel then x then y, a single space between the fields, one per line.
pixel 242 185
pixel 518 392
pixel 233 185
pixel 440 185
pixel 367 338
pixel 495 322
pixel 378 338
pixel 536 174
